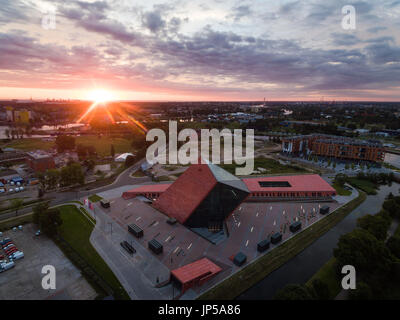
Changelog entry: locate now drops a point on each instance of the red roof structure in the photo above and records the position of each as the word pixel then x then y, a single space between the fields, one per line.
pixel 195 273
pixel 300 183
pixel 186 193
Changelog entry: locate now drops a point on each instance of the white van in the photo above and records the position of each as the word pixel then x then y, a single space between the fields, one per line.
pixel 6 266
pixel 17 189
pixel 10 190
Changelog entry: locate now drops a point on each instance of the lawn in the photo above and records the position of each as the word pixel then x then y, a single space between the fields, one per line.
pixel 340 190
pixel 29 144
pixel 94 198
pixel 103 144
pixel 327 274
pixel 272 167
pixel 365 185
pixel 76 229
pixel 263 266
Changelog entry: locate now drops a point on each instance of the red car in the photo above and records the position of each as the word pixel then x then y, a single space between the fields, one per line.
pixel 11 249
pixel 7 244
pixel 11 252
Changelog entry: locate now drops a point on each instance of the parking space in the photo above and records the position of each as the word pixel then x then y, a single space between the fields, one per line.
pixel 251 223
pixel 23 282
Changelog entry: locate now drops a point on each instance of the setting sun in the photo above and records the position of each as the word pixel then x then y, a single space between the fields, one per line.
pixel 100 96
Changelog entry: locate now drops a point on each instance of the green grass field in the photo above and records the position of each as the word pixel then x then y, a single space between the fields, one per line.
pixel 365 185
pixel 102 144
pixel 29 144
pixel 94 198
pixel 263 266
pixel 340 190
pixel 76 229
pixel 327 274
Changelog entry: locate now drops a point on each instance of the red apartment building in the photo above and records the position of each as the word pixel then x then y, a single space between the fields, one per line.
pixel 333 146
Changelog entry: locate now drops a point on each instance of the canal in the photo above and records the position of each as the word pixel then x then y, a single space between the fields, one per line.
pixel 309 261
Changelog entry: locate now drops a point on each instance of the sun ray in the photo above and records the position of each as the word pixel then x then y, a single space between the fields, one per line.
pixel 89 110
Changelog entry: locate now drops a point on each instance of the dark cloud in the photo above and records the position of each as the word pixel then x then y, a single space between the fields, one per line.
pixel 240 12
pixel 344 39
pixel 153 21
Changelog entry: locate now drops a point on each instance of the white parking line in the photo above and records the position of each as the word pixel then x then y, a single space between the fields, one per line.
pixel 155 224
pixel 238 225
pixel 190 245
pixel 252 228
pixel 129 204
pixel 169 237
pixel 176 249
pixel 138 218
pixel 247 243
pixel 257 214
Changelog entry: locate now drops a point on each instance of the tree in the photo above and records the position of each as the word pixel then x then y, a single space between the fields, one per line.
pixel 129 161
pixel 65 143
pixel 38 209
pixel 321 290
pixel 52 178
pixel 294 292
pixel 112 151
pixel 81 151
pixel 17 204
pixel 47 219
pixel 362 292
pixel 375 224
pixel 72 174
pixel 362 250
pixel 393 244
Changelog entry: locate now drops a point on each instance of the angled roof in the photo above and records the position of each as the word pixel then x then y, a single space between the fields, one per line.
pixel 196 270
pixel 187 192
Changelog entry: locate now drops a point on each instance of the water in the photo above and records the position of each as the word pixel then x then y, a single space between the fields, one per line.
pixel 305 264
pixel 43 128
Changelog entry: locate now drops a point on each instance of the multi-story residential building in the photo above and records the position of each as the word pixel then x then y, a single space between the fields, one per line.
pixel 335 147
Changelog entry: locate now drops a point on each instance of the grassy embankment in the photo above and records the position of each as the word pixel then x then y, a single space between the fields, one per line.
pixel 259 269
pixel 94 198
pixel 340 190
pixel 76 230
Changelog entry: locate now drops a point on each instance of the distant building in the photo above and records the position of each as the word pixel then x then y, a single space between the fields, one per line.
pixel 122 157
pixel 40 161
pixel 334 146
pixel 18 116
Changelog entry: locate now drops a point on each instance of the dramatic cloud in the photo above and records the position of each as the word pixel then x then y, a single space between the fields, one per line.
pixel 219 49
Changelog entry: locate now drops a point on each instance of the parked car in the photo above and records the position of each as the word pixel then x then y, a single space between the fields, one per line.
pixel 17 255
pixel 6 266
pixel 11 190
pixel 17 189
pixel 21 188
pixel 37 233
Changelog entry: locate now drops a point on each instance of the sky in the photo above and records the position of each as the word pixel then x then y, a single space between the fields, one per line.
pixel 200 50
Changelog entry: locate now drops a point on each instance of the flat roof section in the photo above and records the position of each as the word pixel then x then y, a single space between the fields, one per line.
pixel 196 270
pixel 148 188
pixel 308 183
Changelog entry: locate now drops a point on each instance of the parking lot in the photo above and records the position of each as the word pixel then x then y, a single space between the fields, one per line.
pixel 23 282
pixel 248 225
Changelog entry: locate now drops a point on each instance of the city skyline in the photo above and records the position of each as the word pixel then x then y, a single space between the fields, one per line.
pixel 208 51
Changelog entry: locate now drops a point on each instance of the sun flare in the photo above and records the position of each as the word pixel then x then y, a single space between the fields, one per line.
pixel 100 96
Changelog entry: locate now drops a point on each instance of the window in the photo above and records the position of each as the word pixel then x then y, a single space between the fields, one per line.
pixel 274 184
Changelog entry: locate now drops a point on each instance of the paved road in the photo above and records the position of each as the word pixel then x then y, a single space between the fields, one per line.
pixel 57 198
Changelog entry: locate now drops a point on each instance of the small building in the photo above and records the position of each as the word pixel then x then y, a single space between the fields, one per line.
pixel 122 157
pixel 40 161
pixel 135 230
pixel 240 259
pixel 263 245
pixel 276 238
pixel 324 210
pixel 194 274
pixel 155 246
pixel 296 226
